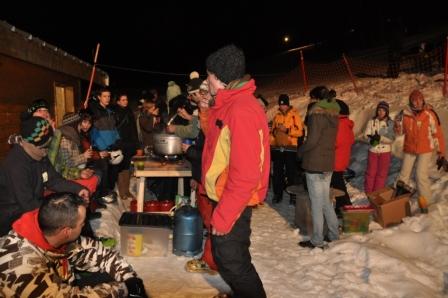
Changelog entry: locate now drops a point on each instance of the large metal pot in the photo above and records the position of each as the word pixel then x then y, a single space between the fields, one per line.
pixel 167 144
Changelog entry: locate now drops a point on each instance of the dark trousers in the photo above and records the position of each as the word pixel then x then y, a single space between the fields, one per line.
pixel 232 256
pixel 285 168
pixel 338 182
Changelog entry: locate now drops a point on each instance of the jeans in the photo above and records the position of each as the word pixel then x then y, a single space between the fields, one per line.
pixel 319 191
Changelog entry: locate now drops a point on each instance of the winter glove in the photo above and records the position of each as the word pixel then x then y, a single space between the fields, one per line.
pixel 135 288
pixel 442 162
pixel 374 139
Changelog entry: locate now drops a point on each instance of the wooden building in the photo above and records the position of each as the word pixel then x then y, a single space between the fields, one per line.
pixel 30 68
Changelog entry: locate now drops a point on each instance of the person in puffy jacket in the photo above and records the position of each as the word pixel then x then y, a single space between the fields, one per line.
pixel 422 136
pixel 344 141
pixel 235 167
pixel 380 135
pixel 287 127
pixel 318 158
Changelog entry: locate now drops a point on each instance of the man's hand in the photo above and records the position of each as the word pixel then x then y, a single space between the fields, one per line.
pixel 185 147
pixel 84 193
pixel 281 128
pixel 88 153
pixel 135 287
pixel 170 128
pixel 86 173
pixel 184 114
pixel 216 233
pixel 193 184
pixel 104 154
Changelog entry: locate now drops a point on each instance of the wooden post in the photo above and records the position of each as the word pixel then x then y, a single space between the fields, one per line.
pixel 305 80
pixel 92 75
pixel 445 81
pixel 350 73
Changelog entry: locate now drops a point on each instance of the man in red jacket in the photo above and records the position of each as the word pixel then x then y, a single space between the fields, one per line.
pixel 235 167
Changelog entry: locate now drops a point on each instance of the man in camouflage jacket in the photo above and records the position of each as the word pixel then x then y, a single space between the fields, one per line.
pixel 38 257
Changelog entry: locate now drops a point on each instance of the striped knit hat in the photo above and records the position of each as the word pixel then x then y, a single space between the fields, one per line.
pixel 36 130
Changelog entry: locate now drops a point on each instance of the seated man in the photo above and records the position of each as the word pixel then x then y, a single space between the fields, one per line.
pixel 44 248
pixel 26 173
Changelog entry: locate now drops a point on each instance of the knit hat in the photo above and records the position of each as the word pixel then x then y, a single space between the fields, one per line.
pixel 195 83
pixel 33 107
pixel 227 63
pixel 38 104
pixel 383 105
pixel 283 99
pixel 173 90
pixel 36 130
pixel 70 118
pixel 345 110
pixel 416 94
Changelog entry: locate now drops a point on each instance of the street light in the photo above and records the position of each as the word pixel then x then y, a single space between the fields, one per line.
pixel 286 39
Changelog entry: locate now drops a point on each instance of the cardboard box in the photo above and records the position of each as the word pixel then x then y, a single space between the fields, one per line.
pixel 389 210
pixel 356 219
pixel 144 234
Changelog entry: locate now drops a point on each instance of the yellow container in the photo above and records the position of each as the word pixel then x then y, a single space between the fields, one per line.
pixel 135 245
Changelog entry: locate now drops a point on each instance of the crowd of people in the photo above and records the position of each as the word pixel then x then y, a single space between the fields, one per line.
pixel 54 178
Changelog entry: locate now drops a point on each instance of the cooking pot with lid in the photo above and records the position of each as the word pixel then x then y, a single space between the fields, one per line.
pixel 167 144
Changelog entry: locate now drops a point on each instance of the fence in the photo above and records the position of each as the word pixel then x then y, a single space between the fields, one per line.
pixel 374 63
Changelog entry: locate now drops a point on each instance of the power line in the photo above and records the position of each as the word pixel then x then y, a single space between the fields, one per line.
pixel 173 73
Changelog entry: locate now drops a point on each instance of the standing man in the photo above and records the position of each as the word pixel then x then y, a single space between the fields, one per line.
pixel 287 127
pixel 104 137
pixel 318 156
pixel 422 136
pixel 235 167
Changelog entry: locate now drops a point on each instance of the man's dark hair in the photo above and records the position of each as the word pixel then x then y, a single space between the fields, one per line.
pixel 101 90
pixel 57 211
pixel 322 92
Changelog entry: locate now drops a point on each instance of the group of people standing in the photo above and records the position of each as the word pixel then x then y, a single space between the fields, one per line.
pixel 325 154
pixel 230 156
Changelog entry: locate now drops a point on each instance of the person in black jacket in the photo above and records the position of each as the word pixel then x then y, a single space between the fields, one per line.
pixel 198 92
pixel 127 129
pixel 26 172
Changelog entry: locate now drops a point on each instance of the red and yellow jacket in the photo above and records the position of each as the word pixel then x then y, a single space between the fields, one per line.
pixel 236 156
pixel 422 131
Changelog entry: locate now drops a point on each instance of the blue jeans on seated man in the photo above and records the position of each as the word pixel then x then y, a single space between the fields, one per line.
pixel 321 206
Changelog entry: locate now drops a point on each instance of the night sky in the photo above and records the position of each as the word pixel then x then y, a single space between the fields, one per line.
pixel 172 37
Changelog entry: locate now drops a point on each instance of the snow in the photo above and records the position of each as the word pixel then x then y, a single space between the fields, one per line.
pixel 407 260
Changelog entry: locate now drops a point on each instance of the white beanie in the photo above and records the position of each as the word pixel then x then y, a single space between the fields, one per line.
pixel 173 90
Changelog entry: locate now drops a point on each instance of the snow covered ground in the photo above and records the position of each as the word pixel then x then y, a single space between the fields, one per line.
pixel 408 260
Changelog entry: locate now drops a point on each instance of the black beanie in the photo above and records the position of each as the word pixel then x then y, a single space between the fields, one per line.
pixel 227 63
pixel 38 104
pixel 36 130
pixel 33 107
pixel 194 85
pixel 283 99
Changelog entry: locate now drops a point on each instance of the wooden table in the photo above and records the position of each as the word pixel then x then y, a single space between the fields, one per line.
pixel 158 169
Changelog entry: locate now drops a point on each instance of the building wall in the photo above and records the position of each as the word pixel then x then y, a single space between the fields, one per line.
pixel 20 84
